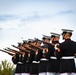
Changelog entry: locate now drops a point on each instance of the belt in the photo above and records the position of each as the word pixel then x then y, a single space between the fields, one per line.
pixel 68 57
pixel 35 61
pixel 75 62
pixel 53 57
pixel 20 63
pixel 44 59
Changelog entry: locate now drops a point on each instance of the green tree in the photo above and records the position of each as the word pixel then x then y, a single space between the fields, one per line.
pixel 6 68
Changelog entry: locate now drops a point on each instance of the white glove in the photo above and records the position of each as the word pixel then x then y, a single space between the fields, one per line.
pixel 43 50
pixel 55 47
pixel 50 41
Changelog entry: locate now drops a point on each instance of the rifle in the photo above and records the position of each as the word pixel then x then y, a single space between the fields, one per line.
pixel 29 48
pixel 45 42
pixel 15 51
pixel 21 49
pixel 55 45
pixel 38 47
pixel 7 52
pixel 15 46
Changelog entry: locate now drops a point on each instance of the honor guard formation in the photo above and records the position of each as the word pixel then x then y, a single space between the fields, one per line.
pixel 45 57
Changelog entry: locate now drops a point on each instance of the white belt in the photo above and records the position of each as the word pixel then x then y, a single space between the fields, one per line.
pixel 53 57
pixel 75 61
pixel 20 63
pixel 35 61
pixel 44 59
pixel 68 57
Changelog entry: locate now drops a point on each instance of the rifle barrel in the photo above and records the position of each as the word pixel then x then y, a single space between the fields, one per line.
pixel 7 52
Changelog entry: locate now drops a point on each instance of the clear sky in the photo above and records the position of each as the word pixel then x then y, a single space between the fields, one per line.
pixel 32 18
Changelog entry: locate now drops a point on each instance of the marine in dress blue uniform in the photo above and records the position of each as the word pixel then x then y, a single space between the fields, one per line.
pixel 67 54
pixel 17 60
pixel 53 65
pixel 44 61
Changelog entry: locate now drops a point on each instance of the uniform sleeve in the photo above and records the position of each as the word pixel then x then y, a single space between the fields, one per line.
pixel 38 56
pixel 57 53
pixel 31 58
pixel 15 59
pixel 25 58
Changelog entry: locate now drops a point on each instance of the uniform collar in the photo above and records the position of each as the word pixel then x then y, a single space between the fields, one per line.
pixel 67 39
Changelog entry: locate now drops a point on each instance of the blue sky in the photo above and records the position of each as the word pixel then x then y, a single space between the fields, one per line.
pixel 32 18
